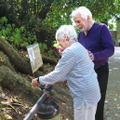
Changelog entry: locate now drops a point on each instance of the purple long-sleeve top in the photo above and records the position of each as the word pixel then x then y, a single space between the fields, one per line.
pixel 99 41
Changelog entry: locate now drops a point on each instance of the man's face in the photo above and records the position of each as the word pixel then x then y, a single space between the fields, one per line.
pixel 81 23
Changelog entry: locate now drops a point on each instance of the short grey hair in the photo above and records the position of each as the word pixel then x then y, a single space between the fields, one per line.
pixel 66 29
pixel 83 11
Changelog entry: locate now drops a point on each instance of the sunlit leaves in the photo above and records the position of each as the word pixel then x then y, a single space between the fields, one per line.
pixel 50 14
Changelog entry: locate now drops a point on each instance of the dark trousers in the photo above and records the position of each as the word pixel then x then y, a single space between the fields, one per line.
pixel 103 73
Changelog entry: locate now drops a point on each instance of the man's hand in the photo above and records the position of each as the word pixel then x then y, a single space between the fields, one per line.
pixel 91 55
pixel 60 50
pixel 34 82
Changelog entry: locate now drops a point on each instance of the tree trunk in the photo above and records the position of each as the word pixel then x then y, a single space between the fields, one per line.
pixel 4 60
pixel 118 31
pixel 16 82
pixel 49 60
pixel 21 63
pixel 43 13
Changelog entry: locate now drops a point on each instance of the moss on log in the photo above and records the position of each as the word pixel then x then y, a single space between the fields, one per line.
pixel 19 62
pixel 4 60
pixel 17 83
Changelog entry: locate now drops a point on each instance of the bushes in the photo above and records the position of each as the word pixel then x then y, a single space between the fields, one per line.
pixel 20 37
pixel 17 36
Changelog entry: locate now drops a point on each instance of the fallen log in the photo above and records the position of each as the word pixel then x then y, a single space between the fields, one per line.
pixel 49 60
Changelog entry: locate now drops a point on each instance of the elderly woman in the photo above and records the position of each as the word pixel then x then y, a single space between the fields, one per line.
pixel 77 68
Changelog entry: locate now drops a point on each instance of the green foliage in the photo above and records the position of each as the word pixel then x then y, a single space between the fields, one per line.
pixel 3 20
pixel 50 54
pixel 77 29
pixel 43 48
pixel 111 26
pixel 19 36
pixel 16 35
pixel 56 44
pixel 48 64
pixel 43 17
pixel 30 21
pixel 115 42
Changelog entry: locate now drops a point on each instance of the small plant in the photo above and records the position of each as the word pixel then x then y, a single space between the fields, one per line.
pixel 50 52
pixel 44 50
pixel 43 47
pixel 17 36
pixel 48 64
pixel 3 20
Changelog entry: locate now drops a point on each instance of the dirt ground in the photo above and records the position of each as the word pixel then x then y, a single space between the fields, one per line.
pixel 15 106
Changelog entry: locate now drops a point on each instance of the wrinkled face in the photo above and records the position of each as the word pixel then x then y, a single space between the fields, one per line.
pixel 63 43
pixel 81 23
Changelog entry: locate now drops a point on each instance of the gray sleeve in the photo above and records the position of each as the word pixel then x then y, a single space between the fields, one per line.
pixel 62 68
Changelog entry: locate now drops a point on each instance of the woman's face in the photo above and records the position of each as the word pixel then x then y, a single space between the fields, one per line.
pixel 63 43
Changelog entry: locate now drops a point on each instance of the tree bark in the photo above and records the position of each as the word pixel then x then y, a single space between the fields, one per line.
pixel 21 63
pixel 43 13
pixel 49 60
pixel 15 82
pixel 4 60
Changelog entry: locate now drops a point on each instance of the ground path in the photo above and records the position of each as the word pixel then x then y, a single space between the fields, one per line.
pixel 112 103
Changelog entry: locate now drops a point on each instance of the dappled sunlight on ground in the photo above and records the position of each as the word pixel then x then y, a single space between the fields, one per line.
pixel 112 104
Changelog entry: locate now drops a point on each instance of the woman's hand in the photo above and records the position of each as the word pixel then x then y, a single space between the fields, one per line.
pixel 35 82
pixel 60 50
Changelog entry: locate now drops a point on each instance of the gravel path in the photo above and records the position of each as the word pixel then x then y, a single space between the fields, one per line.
pixel 112 103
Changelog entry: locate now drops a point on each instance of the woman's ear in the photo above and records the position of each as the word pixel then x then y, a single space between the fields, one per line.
pixel 66 37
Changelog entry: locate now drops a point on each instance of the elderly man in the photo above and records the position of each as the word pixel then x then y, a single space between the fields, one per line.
pixel 77 68
pixel 97 39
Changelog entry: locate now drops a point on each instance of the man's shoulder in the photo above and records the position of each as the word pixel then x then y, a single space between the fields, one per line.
pixel 100 27
pixel 100 24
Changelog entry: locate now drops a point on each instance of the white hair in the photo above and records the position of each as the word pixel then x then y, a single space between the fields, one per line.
pixel 83 11
pixel 66 29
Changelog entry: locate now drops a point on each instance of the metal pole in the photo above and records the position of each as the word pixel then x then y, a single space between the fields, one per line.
pixel 36 106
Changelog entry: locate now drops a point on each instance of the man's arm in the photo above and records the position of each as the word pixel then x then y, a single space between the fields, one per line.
pixel 107 43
